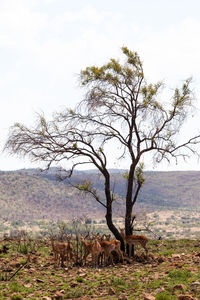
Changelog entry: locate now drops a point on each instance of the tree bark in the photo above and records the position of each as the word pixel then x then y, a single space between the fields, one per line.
pixel 129 207
pixel 108 216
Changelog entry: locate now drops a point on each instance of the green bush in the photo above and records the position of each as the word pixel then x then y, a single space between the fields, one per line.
pixel 179 275
pixel 165 296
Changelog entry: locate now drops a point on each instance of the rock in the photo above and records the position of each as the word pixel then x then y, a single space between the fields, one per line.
pixel 27 285
pixel 195 286
pixel 160 260
pixel 59 295
pixel 185 297
pixel 181 287
pixel 73 284
pixel 15 264
pixel 39 280
pixel 149 297
pixel 46 298
pixel 34 259
pixel 176 255
pixel 159 290
pixel 66 269
pixel 82 275
pixel 122 297
pixel 111 291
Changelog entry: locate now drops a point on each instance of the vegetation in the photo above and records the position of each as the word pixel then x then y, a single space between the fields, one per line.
pixel 120 107
pixel 27 195
pixel 159 276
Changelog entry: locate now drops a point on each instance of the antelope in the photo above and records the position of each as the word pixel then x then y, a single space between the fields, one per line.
pixel 69 249
pixel 116 244
pixel 117 249
pixel 108 246
pixel 106 250
pixel 87 248
pixel 96 250
pixel 59 250
pixel 107 237
pixel 134 240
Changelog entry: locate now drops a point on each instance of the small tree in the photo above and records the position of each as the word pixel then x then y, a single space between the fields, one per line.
pixel 119 109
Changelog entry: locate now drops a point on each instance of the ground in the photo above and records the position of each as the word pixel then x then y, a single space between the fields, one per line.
pixel 171 269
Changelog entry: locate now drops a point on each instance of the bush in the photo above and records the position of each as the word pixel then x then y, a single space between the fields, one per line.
pixel 165 296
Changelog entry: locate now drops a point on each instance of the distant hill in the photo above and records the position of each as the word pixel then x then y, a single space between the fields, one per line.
pixel 29 194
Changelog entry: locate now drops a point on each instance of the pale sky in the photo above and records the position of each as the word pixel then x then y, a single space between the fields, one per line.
pixel 45 43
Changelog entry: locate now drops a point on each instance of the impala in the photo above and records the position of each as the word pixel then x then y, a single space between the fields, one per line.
pixel 59 250
pixel 69 249
pixel 106 250
pixel 134 240
pixel 96 250
pixel 87 248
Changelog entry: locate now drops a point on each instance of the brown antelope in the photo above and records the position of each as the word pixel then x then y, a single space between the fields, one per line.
pixel 116 243
pixel 134 240
pixel 106 250
pixel 117 249
pixel 87 248
pixel 69 253
pixel 96 250
pixel 59 250
pixel 105 237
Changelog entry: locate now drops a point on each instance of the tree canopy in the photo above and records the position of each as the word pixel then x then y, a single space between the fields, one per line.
pixel 119 108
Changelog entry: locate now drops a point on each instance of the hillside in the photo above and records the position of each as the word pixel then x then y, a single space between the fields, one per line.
pixel 29 194
pixel 28 197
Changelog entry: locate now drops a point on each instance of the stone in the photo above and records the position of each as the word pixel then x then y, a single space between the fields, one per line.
pixel 160 260
pixel 185 297
pixel 181 287
pixel 195 286
pixel 73 284
pixel 59 295
pixel 159 290
pixel 149 297
pixel 111 291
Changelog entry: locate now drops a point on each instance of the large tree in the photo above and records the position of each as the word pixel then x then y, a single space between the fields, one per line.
pixel 120 111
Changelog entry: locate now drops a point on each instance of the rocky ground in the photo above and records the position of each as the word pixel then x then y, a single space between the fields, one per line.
pixel 170 271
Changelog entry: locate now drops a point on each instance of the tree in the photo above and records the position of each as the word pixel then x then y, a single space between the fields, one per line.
pixel 120 108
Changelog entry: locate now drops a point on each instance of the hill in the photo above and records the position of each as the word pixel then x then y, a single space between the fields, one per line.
pixel 28 197
pixel 30 194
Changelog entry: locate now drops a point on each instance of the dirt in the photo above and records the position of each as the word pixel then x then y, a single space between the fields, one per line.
pixel 170 271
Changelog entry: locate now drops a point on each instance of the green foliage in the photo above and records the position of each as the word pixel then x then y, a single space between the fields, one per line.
pixel 16 287
pixel 139 174
pixel 165 296
pixel 79 279
pixel 16 297
pixel 179 275
pixel 86 186
pixel 118 282
pixel 129 281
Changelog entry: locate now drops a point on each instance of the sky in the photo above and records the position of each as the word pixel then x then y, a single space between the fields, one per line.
pixel 44 44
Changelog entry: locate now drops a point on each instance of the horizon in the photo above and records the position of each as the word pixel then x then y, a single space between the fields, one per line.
pixel 96 170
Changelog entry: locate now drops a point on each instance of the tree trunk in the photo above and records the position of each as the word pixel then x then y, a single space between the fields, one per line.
pixel 129 206
pixel 114 230
pixel 108 216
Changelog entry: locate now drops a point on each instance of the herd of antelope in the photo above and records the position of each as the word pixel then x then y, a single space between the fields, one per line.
pixel 101 248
